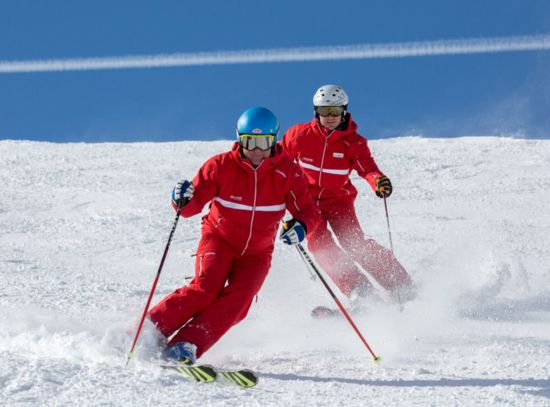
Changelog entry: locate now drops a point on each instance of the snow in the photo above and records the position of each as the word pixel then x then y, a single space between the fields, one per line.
pixel 84 227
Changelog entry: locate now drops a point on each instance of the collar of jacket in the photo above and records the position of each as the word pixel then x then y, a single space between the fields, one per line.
pixel 323 132
pixel 268 163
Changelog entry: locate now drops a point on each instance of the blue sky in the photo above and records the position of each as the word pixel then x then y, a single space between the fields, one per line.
pixel 443 96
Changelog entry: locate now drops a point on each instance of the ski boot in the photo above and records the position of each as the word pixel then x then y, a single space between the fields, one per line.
pixel 182 352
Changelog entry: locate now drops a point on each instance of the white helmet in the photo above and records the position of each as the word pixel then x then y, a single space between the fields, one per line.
pixel 330 95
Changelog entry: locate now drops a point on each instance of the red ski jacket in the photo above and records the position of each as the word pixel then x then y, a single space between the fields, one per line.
pixel 328 157
pixel 247 203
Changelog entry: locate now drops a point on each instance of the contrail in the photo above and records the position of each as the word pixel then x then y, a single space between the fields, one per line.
pixel 252 56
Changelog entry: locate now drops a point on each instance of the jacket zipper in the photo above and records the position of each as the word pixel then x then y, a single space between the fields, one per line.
pixel 255 170
pixel 322 163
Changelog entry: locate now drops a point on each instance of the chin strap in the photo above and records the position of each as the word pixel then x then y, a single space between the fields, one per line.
pixel 345 121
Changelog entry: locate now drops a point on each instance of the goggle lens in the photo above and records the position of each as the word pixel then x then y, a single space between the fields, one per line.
pixel 262 142
pixel 329 110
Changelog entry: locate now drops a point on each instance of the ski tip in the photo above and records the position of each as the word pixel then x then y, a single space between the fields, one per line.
pixel 244 378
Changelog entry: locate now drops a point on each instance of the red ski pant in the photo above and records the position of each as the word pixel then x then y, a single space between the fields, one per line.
pixel 218 297
pixel 339 264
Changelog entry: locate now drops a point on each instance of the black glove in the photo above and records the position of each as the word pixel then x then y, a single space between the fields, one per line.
pixel 383 187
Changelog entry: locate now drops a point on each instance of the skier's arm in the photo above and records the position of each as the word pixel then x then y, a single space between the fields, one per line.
pixel 205 188
pixel 364 164
pixel 287 143
pixel 300 204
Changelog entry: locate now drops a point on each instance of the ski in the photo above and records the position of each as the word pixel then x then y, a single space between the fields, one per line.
pixel 207 374
pixel 322 312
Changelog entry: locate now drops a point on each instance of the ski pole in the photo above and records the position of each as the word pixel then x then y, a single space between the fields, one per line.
pixel 131 352
pixel 311 273
pixel 306 257
pixel 391 247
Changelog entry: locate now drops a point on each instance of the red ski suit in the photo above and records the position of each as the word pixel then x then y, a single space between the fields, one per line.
pixel 238 235
pixel 327 158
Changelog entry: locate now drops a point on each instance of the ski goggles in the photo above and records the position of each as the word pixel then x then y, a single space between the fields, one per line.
pixel 330 110
pixel 262 142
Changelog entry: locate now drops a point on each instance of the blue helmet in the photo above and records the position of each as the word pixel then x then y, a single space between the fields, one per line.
pixel 258 120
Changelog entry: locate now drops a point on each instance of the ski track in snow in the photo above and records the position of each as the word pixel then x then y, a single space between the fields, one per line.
pixel 84 226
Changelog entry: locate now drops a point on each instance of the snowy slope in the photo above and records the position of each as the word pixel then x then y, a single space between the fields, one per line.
pixel 83 227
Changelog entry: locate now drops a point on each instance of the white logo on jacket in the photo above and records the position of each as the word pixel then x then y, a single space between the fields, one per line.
pixel 338 155
pixel 236 198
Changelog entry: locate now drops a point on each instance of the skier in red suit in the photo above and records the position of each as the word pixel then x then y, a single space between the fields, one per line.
pixel 249 189
pixel 328 149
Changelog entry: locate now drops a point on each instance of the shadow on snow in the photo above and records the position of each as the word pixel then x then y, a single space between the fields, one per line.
pixel 542 385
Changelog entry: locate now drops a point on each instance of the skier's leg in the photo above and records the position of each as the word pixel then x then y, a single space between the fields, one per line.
pixel 212 266
pixel 245 280
pixel 373 257
pixel 334 261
